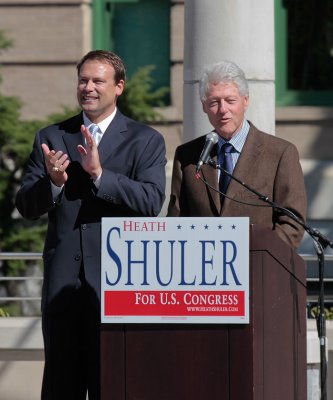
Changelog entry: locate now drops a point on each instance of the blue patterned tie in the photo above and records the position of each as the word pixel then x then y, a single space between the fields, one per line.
pixel 226 158
pixel 96 133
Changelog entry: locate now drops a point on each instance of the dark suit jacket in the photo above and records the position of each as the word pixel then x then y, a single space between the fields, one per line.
pixel 268 164
pixel 132 184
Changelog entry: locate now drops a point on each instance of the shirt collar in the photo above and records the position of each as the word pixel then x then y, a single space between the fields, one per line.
pixel 239 139
pixel 103 124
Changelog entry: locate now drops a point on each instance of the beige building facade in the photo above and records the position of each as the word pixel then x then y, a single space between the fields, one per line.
pixel 50 36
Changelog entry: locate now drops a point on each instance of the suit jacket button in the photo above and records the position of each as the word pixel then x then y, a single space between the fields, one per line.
pixel 77 257
pixel 84 226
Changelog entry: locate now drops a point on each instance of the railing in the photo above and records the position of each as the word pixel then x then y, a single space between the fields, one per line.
pixel 20 256
pixel 38 256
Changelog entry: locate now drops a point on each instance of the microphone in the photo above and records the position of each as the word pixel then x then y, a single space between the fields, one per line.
pixel 211 139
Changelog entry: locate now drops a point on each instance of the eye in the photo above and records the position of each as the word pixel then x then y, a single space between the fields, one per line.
pixel 212 104
pixel 83 81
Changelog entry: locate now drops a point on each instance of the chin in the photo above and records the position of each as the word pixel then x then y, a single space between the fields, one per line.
pixel 226 134
pixel 88 109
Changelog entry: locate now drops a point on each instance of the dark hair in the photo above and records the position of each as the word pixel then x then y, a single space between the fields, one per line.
pixel 107 57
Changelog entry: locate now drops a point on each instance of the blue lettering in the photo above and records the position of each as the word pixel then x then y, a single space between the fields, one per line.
pixel 204 261
pixel 228 260
pixel 158 276
pixel 131 262
pixel 182 266
pixel 113 256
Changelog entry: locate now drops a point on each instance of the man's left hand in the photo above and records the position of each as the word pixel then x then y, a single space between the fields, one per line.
pixel 89 155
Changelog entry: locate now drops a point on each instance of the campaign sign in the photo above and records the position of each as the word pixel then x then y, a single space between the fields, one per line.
pixel 175 270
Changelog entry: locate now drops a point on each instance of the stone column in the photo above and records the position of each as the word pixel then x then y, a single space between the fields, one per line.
pixel 239 31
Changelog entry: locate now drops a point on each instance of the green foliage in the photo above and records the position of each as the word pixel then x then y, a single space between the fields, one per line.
pixel 16 235
pixel 5 43
pixel 65 114
pixel 3 313
pixel 328 312
pixel 16 137
pixel 138 100
pixel 28 238
pixel 12 309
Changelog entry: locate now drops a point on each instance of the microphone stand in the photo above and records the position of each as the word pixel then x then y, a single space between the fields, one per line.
pixel 321 242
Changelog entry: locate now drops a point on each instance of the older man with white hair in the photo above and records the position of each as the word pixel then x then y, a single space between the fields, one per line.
pixel 268 164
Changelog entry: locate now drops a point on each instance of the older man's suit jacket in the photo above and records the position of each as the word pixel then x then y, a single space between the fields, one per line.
pixel 132 184
pixel 268 164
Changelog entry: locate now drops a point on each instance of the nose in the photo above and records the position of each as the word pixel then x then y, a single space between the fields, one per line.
pixel 222 106
pixel 89 85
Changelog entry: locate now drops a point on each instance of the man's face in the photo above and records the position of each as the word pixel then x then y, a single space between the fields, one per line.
pixel 225 108
pixel 97 91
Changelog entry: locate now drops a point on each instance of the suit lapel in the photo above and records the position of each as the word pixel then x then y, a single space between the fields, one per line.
pixel 249 157
pixel 113 137
pixel 73 137
pixel 210 175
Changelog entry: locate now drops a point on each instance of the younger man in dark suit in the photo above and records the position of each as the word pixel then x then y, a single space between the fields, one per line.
pixel 77 179
pixel 264 162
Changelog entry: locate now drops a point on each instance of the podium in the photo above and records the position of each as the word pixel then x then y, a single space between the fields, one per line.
pixel 263 360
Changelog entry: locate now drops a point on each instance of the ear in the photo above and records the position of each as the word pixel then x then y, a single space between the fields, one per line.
pixel 204 107
pixel 246 102
pixel 120 87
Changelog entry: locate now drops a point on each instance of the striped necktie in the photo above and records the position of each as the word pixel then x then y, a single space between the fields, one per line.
pixel 96 133
pixel 226 164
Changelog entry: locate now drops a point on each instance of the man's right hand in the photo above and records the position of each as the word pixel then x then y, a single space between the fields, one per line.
pixel 56 165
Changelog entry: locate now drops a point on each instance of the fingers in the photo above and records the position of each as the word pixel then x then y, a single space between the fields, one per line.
pixel 47 152
pixel 60 167
pixel 56 162
pixel 82 150
pixel 89 154
pixel 85 131
pixel 88 136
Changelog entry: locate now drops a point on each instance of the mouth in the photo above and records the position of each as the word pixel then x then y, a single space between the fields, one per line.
pixel 88 99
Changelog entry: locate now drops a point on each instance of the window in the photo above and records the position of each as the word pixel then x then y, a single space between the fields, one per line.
pixel 138 31
pixel 304 52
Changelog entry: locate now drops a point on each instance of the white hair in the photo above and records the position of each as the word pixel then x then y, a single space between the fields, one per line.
pixel 224 71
